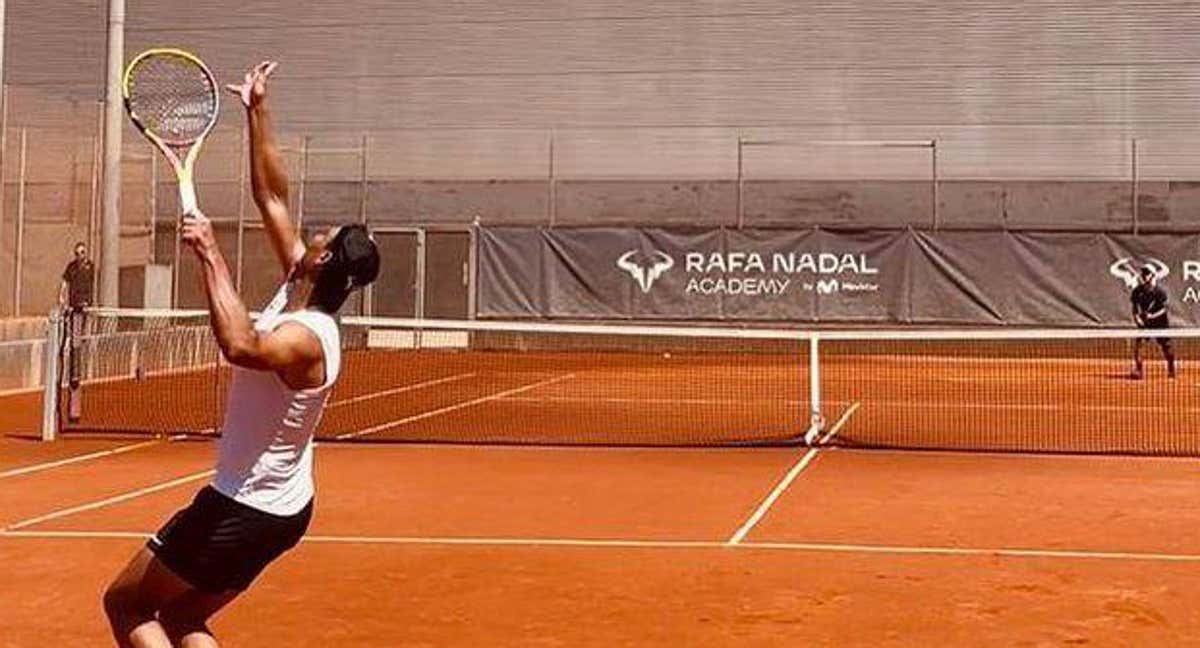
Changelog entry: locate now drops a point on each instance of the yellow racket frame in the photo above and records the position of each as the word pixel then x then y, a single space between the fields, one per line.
pixel 184 168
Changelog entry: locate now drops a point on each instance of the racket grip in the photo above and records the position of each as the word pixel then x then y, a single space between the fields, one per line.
pixel 187 197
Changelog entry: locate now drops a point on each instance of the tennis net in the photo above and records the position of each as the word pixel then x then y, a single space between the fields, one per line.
pixel 462 382
pixel 534 383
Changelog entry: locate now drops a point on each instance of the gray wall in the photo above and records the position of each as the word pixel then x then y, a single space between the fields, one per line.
pixel 1035 107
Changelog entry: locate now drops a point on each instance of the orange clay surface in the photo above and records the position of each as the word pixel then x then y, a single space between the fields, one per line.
pixel 492 546
pixel 1056 404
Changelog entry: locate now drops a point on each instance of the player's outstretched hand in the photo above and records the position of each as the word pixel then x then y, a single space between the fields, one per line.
pixel 197 232
pixel 253 89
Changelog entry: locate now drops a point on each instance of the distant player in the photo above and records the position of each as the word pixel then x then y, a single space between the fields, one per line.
pixel 260 501
pixel 1150 312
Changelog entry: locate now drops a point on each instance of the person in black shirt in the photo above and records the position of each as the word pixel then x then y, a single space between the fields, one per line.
pixel 78 281
pixel 76 294
pixel 1150 312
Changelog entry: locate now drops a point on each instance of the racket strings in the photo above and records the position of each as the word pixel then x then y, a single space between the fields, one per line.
pixel 173 98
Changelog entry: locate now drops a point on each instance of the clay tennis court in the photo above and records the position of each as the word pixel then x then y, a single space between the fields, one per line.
pixel 486 544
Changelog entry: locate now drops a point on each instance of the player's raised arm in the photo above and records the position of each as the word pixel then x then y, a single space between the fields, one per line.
pixel 268 177
pixel 289 351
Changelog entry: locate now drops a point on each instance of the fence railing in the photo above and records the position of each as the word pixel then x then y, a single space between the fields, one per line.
pixel 952 177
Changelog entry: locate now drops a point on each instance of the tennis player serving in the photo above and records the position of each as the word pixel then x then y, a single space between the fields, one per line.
pixel 1150 312
pixel 261 499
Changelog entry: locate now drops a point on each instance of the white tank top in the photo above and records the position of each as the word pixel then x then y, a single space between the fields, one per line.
pixel 264 456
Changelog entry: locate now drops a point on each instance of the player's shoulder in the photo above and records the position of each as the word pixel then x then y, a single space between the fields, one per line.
pixel 297 336
pixel 314 324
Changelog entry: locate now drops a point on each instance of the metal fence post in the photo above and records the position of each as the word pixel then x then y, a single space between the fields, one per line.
pixel 741 185
pixel 551 184
pixel 1134 183
pixel 936 189
pixel 303 182
pixel 368 294
pixel 18 265
pixel 243 163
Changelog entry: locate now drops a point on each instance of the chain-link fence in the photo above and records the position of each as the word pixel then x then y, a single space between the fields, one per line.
pixel 1081 178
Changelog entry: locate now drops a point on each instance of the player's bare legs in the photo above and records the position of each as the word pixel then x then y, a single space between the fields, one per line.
pixel 1168 352
pixel 1137 359
pixel 150 607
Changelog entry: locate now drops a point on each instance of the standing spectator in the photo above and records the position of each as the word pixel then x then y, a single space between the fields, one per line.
pixel 78 281
pixel 75 294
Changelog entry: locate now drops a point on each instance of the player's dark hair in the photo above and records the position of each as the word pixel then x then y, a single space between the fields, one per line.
pixel 353 263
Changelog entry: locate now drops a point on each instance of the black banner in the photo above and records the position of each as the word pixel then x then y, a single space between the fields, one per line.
pixel 816 275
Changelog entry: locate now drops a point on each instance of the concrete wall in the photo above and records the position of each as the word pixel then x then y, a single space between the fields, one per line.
pixel 975 204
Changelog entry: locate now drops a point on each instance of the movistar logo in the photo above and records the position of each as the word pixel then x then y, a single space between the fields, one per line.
pixel 645 276
pixel 828 286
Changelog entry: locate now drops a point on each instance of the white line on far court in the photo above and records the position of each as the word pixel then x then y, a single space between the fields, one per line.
pixel 456 406
pixel 25 470
pixel 400 390
pixel 616 543
pixel 787 480
pixel 116 499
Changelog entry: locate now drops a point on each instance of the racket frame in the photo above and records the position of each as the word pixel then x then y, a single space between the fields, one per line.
pixel 184 167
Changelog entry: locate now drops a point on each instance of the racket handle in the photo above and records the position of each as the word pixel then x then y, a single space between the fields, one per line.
pixel 187 197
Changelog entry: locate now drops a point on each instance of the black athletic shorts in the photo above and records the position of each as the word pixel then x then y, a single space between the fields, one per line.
pixel 217 544
pixel 1157 324
pixel 1160 322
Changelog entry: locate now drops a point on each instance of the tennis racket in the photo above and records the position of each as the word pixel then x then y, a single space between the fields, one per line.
pixel 172 98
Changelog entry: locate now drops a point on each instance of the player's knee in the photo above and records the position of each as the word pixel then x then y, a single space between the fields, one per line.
pixel 119 604
pixel 123 606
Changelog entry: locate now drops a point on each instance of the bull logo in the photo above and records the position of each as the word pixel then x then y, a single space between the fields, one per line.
pixel 1128 272
pixel 645 276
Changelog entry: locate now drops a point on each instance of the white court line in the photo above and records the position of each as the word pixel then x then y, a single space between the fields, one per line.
pixel 20 391
pixel 451 408
pixel 400 390
pixel 1004 552
pixel 969 405
pixel 61 513
pixel 25 470
pixel 787 480
pixel 652 401
pixel 805 547
pixel 77 535
pixel 906 404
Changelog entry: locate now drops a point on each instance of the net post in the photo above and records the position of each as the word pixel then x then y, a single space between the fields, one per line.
pixel 816 419
pixel 50 377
